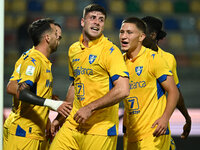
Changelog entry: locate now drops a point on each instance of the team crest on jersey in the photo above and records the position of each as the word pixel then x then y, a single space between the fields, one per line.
pixel 138 70
pixel 92 58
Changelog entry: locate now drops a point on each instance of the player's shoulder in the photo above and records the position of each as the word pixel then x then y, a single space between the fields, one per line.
pixel 169 57
pixel 109 46
pixel 74 45
pixel 151 53
pixel 35 57
pixel 74 48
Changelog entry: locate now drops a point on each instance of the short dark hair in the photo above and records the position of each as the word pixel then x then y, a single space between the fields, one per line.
pixel 138 22
pixel 38 27
pixel 155 25
pixel 93 7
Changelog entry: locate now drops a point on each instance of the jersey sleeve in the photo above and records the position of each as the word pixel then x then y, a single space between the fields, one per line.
pixel 174 71
pixel 15 74
pixel 30 70
pixel 159 67
pixel 114 63
pixel 71 73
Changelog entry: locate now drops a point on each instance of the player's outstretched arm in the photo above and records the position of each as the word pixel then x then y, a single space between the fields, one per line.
pixel 114 96
pixel 172 100
pixel 182 108
pixel 24 94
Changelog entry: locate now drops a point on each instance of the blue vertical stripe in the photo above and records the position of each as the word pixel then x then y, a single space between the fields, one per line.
pixel 110 84
pixel 160 90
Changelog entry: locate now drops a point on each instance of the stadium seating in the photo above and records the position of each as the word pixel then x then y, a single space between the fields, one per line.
pixel 149 6
pixel 171 23
pixel 165 7
pixel 18 5
pixel 133 7
pixel 176 41
pixel 117 6
pixel 187 23
pixel 195 6
pixel 51 6
pixel 181 6
pixel 35 6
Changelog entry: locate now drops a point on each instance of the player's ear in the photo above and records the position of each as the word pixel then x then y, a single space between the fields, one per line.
pixel 82 22
pixel 142 37
pixel 47 38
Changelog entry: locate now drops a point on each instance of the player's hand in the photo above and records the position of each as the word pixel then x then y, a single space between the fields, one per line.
pixel 161 128
pixel 82 115
pixel 186 128
pixel 65 108
pixel 55 126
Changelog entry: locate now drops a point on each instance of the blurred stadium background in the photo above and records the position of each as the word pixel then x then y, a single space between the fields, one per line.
pixel 181 20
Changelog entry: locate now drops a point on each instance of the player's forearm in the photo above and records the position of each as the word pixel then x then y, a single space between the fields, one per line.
pixel 172 100
pixel 24 94
pixel 114 96
pixel 181 107
pixel 12 87
pixel 70 93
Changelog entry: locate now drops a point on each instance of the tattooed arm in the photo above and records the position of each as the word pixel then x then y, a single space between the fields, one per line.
pixel 24 94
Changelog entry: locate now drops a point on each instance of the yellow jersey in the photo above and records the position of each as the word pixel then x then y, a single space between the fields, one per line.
pixel 15 77
pixel 30 120
pixel 93 70
pixel 171 61
pixel 147 99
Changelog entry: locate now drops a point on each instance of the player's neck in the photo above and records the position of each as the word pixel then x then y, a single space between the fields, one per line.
pixel 132 53
pixel 43 49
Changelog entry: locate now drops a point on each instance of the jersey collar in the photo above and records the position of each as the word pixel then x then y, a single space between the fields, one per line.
pixel 91 43
pixel 42 55
pixel 143 49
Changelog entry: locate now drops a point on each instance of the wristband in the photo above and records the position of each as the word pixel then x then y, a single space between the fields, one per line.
pixel 52 104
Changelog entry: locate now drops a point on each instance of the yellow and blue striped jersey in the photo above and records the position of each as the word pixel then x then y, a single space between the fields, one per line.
pixel 147 99
pixel 93 70
pixel 30 120
pixel 15 77
pixel 171 61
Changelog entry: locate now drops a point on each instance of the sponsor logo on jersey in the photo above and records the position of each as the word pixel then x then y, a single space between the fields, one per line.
pixel 92 58
pixel 135 85
pixel 138 70
pixel 76 59
pixel 133 105
pixel 83 71
pixel 30 70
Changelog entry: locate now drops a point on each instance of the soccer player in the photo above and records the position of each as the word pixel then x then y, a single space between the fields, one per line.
pixel 147 109
pixel 12 88
pixel 100 82
pixel 154 34
pixel 29 116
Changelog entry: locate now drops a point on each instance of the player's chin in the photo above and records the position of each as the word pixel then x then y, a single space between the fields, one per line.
pixel 124 49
